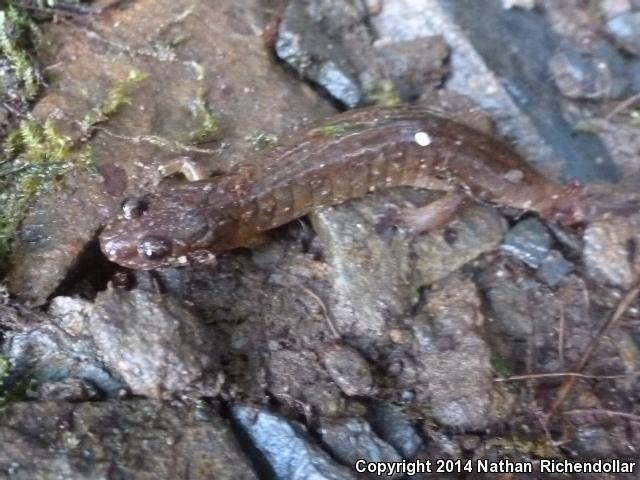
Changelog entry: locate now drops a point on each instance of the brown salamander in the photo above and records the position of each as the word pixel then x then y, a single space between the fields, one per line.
pixel 342 158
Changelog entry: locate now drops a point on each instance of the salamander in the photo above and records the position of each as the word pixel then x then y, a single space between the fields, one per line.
pixel 342 158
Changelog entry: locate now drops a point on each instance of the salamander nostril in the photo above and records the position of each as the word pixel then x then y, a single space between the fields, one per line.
pixel 154 248
pixel 133 208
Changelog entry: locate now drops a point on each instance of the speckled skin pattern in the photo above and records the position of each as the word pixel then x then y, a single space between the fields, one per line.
pixel 344 157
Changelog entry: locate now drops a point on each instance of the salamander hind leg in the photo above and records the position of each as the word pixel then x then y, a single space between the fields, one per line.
pixel 417 220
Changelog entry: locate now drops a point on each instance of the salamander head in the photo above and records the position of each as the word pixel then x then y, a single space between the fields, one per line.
pixel 148 234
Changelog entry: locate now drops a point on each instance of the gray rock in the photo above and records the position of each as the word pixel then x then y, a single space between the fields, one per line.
pixel 348 368
pixel 476 230
pixel 394 427
pixel 455 379
pixel 299 376
pixel 625 29
pixel 611 247
pixel 369 272
pixel 137 341
pixel 288 450
pixel 593 441
pixel 135 439
pixel 303 45
pixel 528 240
pixel 612 8
pixel 46 354
pixel 413 67
pixel 351 439
pixel 599 74
pixel 157 346
pixel 329 43
pixel 510 300
pixel 554 268
pixel 634 76
pixel 375 275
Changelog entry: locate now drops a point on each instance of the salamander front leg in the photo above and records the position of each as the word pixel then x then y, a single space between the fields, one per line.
pixel 186 166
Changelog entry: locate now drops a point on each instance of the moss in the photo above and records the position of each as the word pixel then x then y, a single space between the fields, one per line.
pixel 17 34
pixel 502 366
pixel 36 154
pixel 117 97
pixel 262 140
pixel 40 154
pixel 385 94
pixel 208 124
pixel 11 391
pixel 541 448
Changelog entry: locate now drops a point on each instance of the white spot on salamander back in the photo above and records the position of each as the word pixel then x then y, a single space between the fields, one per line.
pixel 423 139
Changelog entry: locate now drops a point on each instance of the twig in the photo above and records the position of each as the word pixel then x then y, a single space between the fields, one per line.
pixel 622 106
pixel 601 411
pixel 172 145
pixel 623 305
pixel 515 378
pixel 561 336
pixel 325 312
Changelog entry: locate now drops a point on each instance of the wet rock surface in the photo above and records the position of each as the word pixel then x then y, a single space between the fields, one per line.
pixel 288 451
pixel 137 439
pixel 611 250
pixel 332 44
pixel 342 336
pixel 204 94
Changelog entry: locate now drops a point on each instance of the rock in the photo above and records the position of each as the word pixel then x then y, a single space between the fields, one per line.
pixel 396 429
pixel 363 302
pixel 157 346
pixel 351 439
pixel 612 8
pixel 413 67
pixel 528 240
pixel 611 246
pixel 140 439
pixel 348 369
pixel 524 4
pixel 595 75
pixel 328 43
pixel 46 355
pixel 356 243
pixel 286 448
pixel 594 441
pixel 554 268
pixel 125 341
pixel 510 302
pixel 476 230
pixel 455 377
pixel 303 45
pixel 634 76
pixel 299 377
pixel 625 29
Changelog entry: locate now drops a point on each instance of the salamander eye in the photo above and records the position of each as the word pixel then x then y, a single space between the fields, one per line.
pixel 133 208
pixel 154 248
